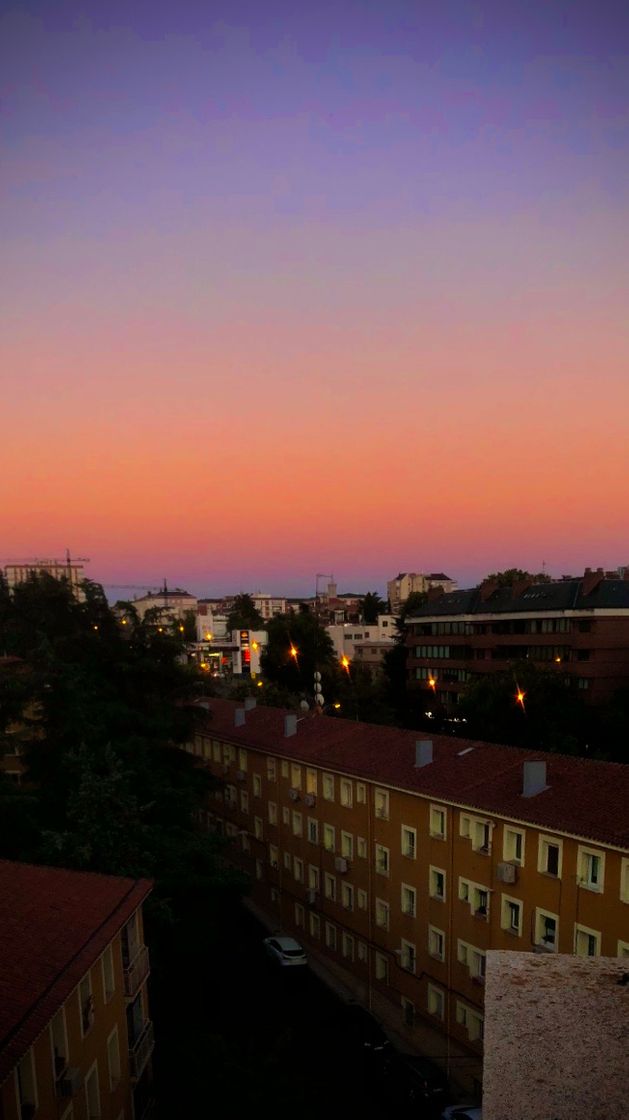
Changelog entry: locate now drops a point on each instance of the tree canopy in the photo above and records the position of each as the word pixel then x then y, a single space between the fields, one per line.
pixel 244 614
pixel 371 606
pixel 516 575
pixel 297 646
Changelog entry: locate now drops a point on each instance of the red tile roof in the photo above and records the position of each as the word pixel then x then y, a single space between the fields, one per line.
pixel 584 797
pixel 54 924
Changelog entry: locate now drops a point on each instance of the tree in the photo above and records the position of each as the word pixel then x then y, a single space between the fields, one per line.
pixel 297 646
pixel 371 606
pixel 415 601
pixel 244 615
pixel 516 575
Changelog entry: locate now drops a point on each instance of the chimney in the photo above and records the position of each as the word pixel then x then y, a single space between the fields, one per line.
pixel 591 580
pixel 290 726
pixel 239 717
pixel 250 703
pixel 487 589
pixel 423 752
pixel 534 778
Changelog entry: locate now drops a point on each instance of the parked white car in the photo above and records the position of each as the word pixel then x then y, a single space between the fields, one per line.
pixel 285 951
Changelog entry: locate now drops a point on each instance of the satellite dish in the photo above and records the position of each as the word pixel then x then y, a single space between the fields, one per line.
pixel 319 699
pixel 317 687
pixel 303 705
pixel 317 676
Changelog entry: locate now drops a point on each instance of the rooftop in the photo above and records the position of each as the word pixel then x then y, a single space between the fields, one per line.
pixel 54 924
pixel 560 595
pixel 584 797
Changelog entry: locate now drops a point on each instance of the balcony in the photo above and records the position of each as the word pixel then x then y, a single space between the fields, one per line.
pixel 136 972
pixel 141 1051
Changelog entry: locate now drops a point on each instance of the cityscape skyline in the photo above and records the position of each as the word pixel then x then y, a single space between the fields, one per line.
pixel 289 289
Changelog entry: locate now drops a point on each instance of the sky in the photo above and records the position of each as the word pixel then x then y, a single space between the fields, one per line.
pixel 296 288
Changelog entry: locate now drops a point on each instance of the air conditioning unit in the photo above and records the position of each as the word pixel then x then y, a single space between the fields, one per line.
pixel 311 896
pixel 240 776
pixel 310 800
pixel 341 865
pixel 293 794
pixel 70 1082
pixel 507 872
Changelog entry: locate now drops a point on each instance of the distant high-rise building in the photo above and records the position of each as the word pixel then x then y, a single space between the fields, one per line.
pixel 404 584
pixel 19 571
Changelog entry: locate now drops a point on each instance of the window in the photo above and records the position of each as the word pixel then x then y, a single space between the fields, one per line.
pixel 216 750
pixel 242 758
pixel 362 951
pixel 313 877
pixel 244 801
pixel 284 768
pixel 361 847
pixel 285 815
pixel 86 1004
pixel 329 838
pixel 274 856
pixel 244 840
pixel 295 776
pixel 109 982
pixel 298 869
pixel 435 1002
pixel 92 1093
pixel 382 860
pixel 271 770
pixel 511 915
pixel 513 846
pixel 587 942
pixel 329 886
pixel 259 869
pixel 272 812
pixel 314 925
pixel 437 883
pixel 347 793
pixel 473 959
pixel 258 829
pixel 361 793
pixel 257 785
pixel 409 842
pixel 381 965
pixel 408 956
pixel 408 1012
pixel 464 890
pixel 229 753
pixel 275 897
pixel 481 836
pixel 623 949
pixel 361 897
pixel 311 782
pixel 347 896
pixel 113 1060
pixel 347 946
pixel 437 822
pixel 300 915
pixel 409 900
pixel 591 866
pixel 313 830
pixel 328 787
pixel 297 824
pixel 382 913
pixel 347 845
pixel 436 943
pixel 381 802
pixel 330 935
pixel 465 826
pixel 546 929
pixel 26 1083
pixel 549 856
pixel 624 880
pixel 471 1021
pixel 59 1042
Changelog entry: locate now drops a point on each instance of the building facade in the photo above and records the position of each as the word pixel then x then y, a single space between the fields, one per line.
pixel 71 570
pixel 406 583
pixel 577 628
pixel 75 1034
pixel 174 604
pixel 401 863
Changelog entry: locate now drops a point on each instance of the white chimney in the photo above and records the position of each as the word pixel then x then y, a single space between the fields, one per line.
pixel 423 752
pixel 290 726
pixel 239 717
pixel 534 778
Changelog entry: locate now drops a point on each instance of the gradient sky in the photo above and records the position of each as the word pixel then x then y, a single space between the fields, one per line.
pixel 336 286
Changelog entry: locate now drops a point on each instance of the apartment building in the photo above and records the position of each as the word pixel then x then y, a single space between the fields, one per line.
pixel 175 604
pixel 406 583
pixel 19 571
pixel 402 862
pixel 577 628
pixel 268 605
pixel 75 1034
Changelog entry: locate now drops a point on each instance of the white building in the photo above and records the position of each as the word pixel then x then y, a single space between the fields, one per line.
pixel 19 571
pixel 404 584
pixel 347 635
pixel 269 605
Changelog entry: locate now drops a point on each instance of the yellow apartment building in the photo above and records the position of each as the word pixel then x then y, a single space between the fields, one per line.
pixel 75 1034
pixel 400 861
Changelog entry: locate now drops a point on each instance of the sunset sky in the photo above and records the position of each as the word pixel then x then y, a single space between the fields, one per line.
pixel 292 288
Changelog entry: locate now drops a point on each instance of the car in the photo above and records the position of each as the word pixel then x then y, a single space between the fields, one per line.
pixel 285 951
pixel 360 1027
pixel 462 1112
pixel 415 1078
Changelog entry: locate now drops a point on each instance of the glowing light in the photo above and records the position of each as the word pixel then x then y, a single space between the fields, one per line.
pixel 519 697
pixel 260 683
pixel 345 663
pixel 557 661
pixel 293 652
pixel 181 629
pixel 254 645
pixel 337 706
pixel 432 683
pixel 124 622
pixel 95 626
pixel 208 637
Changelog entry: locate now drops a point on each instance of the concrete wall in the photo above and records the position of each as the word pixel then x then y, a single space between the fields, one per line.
pixel 556 1037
